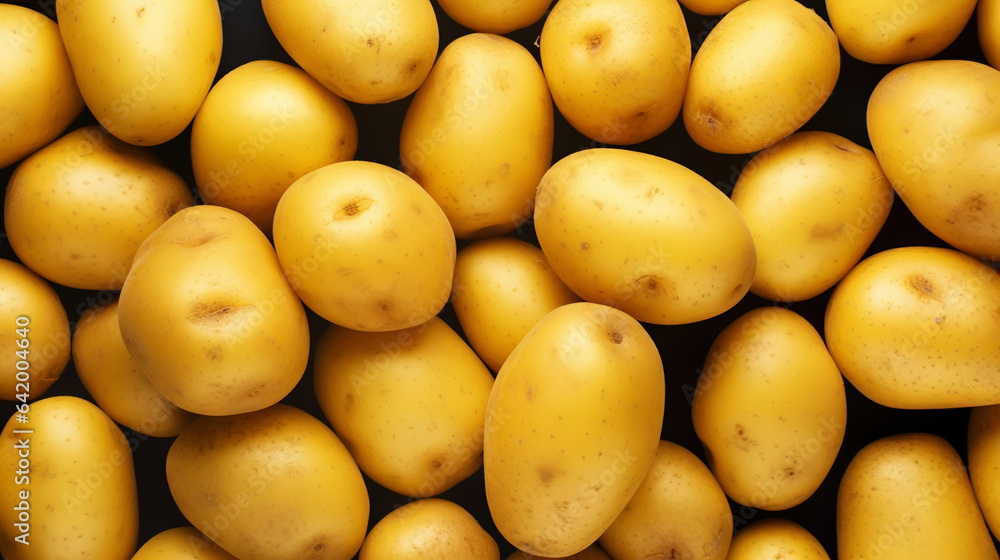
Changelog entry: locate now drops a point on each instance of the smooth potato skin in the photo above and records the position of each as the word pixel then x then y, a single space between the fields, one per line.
pixel 908 496
pixel 495 16
pixel 776 538
pixel 711 7
pixel 984 458
pixel 988 26
pixel 181 543
pixel 592 552
pixel 429 529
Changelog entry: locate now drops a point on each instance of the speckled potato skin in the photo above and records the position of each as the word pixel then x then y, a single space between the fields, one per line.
pixel 984 462
pixel 426 530
pixel 770 409
pixel 908 496
pixel 988 25
pixel 814 203
pixel 181 543
pixel 917 327
pixel 270 485
pixel 761 73
pixel 495 16
pixel 81 485
pixel 776 538
pixel 77 210
pixel 409 405
pixel 935 128
pixel 592 552
pixel 576 416
pixel 679 511
pixel 711 7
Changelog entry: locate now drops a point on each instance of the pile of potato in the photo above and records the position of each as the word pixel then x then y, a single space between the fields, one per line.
pixel 466 279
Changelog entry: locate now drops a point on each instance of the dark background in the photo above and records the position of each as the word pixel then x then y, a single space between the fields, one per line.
pixel 683 348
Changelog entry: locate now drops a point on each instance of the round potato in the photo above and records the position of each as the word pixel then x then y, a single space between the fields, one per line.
pixel 988 25
pixel 592 552
pixel 776 538
pixel 181 543
pixel 495 16
pixel 984 456
pixel 429 529
pixel 77 210
pixel 711 7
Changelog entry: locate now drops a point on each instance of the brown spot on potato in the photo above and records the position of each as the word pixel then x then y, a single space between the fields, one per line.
pixel 547 474
pixel 820 232
pixel 529 393
pixel 593 42
pixel 616 337
pixel 214 312
pixel 353 208
pixel 921 284
pixel 845 149
pixel 585 246
pixel 972 209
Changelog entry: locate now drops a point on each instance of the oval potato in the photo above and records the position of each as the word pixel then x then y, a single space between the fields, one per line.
pixel 711 7
pixel 592 552
pixel 776 538
pixel 432 528
pixel 181 543
pixel 495 16
pixel 984 456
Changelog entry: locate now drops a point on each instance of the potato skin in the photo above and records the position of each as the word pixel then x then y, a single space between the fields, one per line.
pixel 181 543
pixel 495 16
pixel 425 529
pixel 776 538
pixel 592 552
pixel 984 456
pixel 711 7
pixel 988 26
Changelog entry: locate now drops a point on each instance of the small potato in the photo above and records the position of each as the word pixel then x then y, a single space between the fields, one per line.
pixel 181 543
pixel 429 529
pixel 984 456
pixel 776 538
pixel 711 7
pixel 495 16
pixel 592 552
pixel 988 24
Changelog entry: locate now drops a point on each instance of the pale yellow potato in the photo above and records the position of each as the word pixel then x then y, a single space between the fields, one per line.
pixel 895 31
pixel 262 126
pixel 908 496
pixel 429 529
pixel 935 128
pixel 643 234
pixel 617 69
pixel 814 203
pixel 770 409
pixel 988 26
pixel 592 552
pixel 40 94
pixel 71 482
pixel 77 210
pixel 679 511
pixel 143 69
pixel 409 405
pixel 181 543
pixel 573 424
pixel 368 51
pixel 36 340
pixel 115 381
pixel 776 538
pixel 984 462
pixel 502 287
pixel 208 317
pixel 761 73
pixel 365 247
pixel 478 134
pixel 917 327
pixel 711 7
pixel 269 485
pixel 495 16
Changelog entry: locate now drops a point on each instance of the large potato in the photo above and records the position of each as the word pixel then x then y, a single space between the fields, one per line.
pixel 935 128
pixel 208 317
pixel 917 327
pixel 984 456
pixel 429 529
pixel 181 543
pixel 576 415
pixel 988 25
pixel 478 134
pixel 643 234
pixel 495 16
pixel 776 538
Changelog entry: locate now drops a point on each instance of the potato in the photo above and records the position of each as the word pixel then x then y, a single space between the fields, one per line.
pixel 428 529
pixel 208 317
pixel 262 126
pixel 617 69
pixel 502 287
pixel 181 543
pixel 38 88
pixel 711 7
pixel 643 234
pixel 372 51
pixel 77 210
pixel 577 410
pixel 984 456
pixel 988 25
pixel 460 142
pixel 814 203
pixel 776 538
pixel 592 552
pixel 761 73
pixel 495 16
pixel 271 484
pixel 770 409
pixel 917 327
pixel 36 339
pixel 347 236
pixel 935 128
pixel 71 488
pixel 679 511
pixel 143 70
pixel 409 405
pixel 908 496
pixel 890 32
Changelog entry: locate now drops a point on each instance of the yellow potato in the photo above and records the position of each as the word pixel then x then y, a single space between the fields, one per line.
pixel 478 134
pixel 495 16
pixel 988 25
pixel 770 409
pixel 935 128
pixel 776 538
pixel 643 234
pixel 370 51
pixel 592 552
pixel 115 381
pixel 347 236
pixel 208 317
pixel 711 7
pixel 917 327
pixel 36 83
pixel 142 69
pixel 428 529
pixel 575 414
pixel 617 69
pixel 409 405
pixel 269 485
pixel 262 126
pixel 894 32
pixel 761 73
pixel 77 210
pixel 984 456
pixel 908 496
pixel 679 511
pixel 181 543
pixel 502 287
pixel 814 203
pixel 71 489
